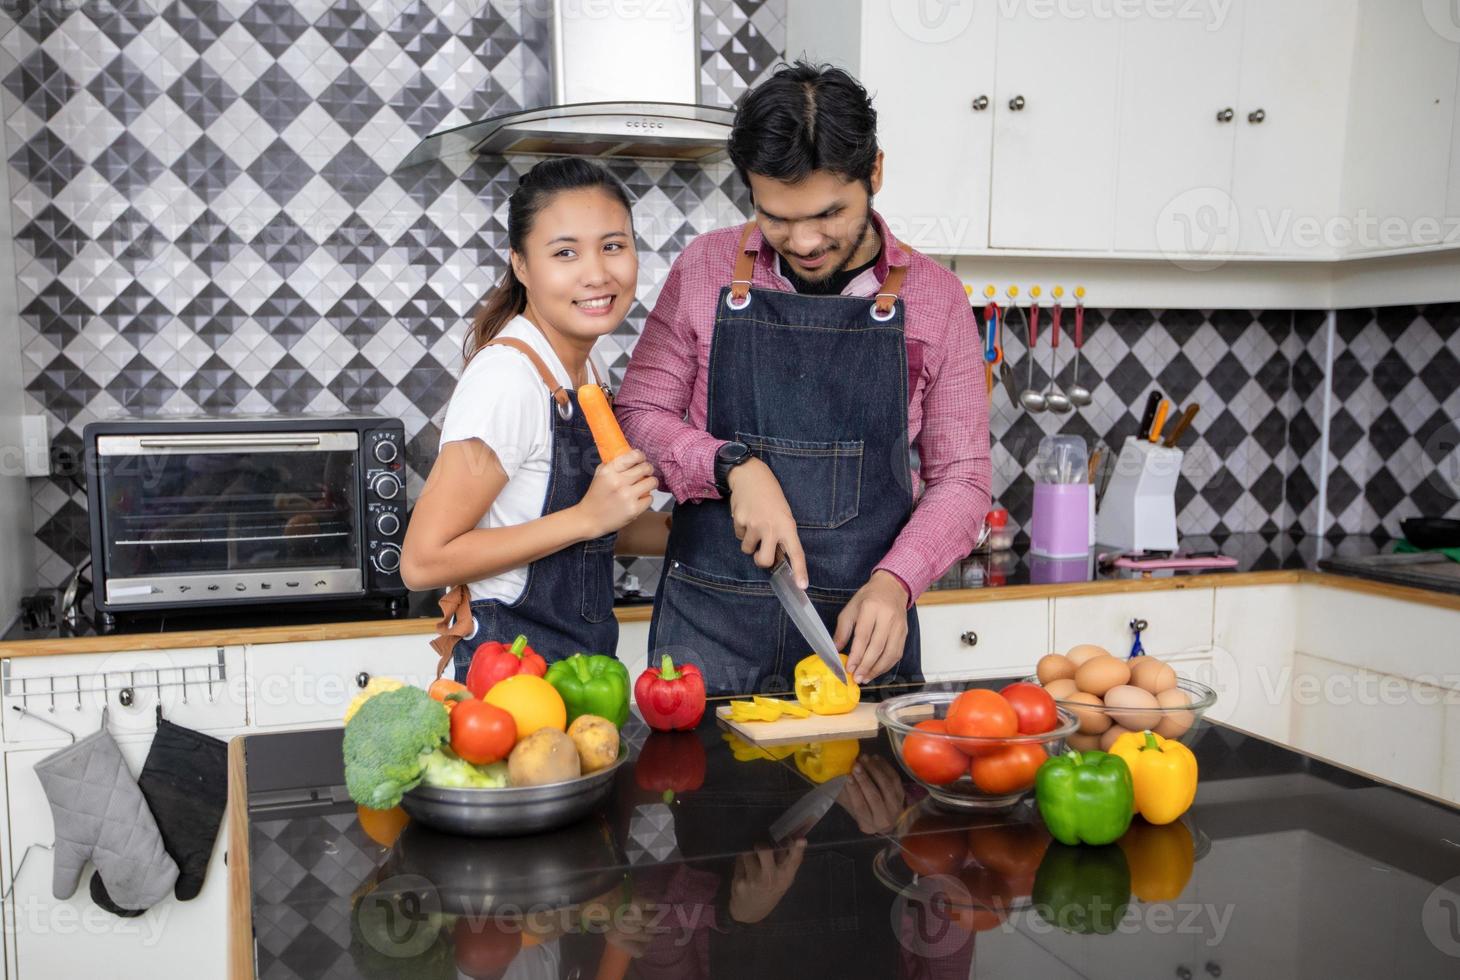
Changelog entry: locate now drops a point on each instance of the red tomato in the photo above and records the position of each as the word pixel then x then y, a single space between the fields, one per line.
pixel 935 844
pixel 932 759
pixel 982 713
pixel 481 732
pixel 1008 770
pixel 485 948
pixel 1012 849
pixel 1034 707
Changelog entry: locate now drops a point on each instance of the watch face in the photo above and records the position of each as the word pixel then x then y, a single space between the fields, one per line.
pixel 733 452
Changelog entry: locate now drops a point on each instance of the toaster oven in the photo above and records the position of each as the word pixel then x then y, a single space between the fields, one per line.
pixel 231 510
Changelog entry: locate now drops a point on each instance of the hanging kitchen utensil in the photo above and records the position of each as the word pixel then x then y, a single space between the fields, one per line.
pixel 1079 395
pixel 990 345
pixel 1030 398
pixel 1054 396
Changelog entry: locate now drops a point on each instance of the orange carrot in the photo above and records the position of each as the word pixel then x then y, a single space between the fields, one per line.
pixel 606 433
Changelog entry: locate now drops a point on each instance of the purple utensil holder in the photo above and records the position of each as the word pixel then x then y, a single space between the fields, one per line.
pixel 1060 527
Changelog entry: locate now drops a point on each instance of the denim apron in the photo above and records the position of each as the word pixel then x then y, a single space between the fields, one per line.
pixel 816 386
pixel 567 604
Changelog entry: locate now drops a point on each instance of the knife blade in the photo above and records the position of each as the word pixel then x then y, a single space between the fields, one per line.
pixel 798 606
pixel 807 812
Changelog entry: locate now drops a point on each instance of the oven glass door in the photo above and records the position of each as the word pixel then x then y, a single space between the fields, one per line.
pixel 231 503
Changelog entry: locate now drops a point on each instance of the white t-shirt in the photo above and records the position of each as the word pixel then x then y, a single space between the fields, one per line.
pixel 501 400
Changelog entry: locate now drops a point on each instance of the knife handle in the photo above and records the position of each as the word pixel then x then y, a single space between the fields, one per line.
pixel 1182 424
pixel 1160 421
pixel 1149 415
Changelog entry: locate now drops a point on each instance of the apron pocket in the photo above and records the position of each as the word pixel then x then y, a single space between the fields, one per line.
pixel 596 579
pixel 822 481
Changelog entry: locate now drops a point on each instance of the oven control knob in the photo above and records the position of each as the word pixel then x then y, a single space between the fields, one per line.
pixel 387 524
pixel 386 486
pixel 385 451
pixel 387 559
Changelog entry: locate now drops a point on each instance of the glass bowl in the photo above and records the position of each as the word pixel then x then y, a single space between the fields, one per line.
pixel 992 789
pixel 1180 723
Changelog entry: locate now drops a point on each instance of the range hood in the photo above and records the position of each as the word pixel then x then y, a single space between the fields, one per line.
pixel 625 84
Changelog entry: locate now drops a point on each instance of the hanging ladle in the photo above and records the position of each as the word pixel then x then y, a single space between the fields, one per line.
pixel 1054 396
pixel 1031 399
pixel 1079 394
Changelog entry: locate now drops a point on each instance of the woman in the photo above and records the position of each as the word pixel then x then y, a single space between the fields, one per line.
pixel 516 504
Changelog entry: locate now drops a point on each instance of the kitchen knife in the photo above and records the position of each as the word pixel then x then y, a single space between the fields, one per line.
pixel 1179 429
pixel 807 812
pixel 803 614
pixel 1149 415
pixel 1160 420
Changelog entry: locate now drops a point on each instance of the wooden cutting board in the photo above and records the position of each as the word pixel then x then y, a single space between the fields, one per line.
pixel 860 722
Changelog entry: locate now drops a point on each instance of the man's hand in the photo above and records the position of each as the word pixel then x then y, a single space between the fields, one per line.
pixel 873 795
pixel 763 519
pixel 761 878
pixel 875 622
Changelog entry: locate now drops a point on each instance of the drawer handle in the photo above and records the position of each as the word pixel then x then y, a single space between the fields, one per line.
pixel 969 638
pixel 362 679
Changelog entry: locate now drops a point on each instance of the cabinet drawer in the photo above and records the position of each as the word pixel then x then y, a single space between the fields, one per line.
pixel 1176 621
pixel 983 639
pixel 310 683
pixel 197 687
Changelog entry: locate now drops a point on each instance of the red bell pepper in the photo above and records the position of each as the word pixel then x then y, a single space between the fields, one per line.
pixel 671 699
pixel 669 763
pixel 495 661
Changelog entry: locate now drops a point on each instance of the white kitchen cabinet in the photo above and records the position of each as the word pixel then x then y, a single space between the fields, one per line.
pixel 1291 108
pixel 633 647
pixel 311 683
pixel 1178 621
pixel 1054 145
pixel 1400 127
pixel 983 639
pixel 198 687
pixel 1178 95
pixel 930 71
pixel 52 938
pixel 1254 634
pixel 1388 636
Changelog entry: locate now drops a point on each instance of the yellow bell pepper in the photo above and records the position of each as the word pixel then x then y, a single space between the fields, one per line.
pixel 1163 772
pixel 787 709
pixel 820 761
pixel 1160 859
pixel 377 685
pixel 744 751
pixel 818 689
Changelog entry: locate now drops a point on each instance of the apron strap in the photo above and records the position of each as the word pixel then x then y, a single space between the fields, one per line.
pixel 559 393
pixel 455 623
pixel 745 268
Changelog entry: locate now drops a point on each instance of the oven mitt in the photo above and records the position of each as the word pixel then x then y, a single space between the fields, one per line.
pixel 100 814
pixel 185 781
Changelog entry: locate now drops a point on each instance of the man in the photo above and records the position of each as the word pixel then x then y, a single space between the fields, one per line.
pixel 781 377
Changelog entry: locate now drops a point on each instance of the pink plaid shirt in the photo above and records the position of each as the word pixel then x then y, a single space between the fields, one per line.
pixel 664 403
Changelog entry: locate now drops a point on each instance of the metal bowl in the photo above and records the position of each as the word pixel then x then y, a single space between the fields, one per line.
pixel 511 810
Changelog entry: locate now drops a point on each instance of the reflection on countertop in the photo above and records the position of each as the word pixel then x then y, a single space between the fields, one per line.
pixel 1256 551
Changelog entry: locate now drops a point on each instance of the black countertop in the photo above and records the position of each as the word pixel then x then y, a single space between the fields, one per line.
pixel 1253 551
pixel 1300 868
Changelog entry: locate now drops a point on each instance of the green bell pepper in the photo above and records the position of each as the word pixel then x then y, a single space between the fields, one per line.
pixel 1083 890
pixel 1085 797
pixel 592 685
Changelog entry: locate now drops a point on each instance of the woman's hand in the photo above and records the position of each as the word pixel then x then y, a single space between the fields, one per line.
pixel 621 491
pixel 873 795
pixel 761 878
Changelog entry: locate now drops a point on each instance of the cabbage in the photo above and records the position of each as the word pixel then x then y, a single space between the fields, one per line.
pixel 447 770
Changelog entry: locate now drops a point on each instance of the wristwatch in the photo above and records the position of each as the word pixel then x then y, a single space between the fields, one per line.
pixel 727 457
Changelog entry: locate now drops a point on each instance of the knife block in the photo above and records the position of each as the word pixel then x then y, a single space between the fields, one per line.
pixel 1138 511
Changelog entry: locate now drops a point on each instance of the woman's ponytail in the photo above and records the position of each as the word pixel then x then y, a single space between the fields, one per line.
pixel 506 300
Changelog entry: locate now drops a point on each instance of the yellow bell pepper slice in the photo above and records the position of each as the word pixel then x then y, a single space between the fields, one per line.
pixel 820 761
pixel 1163 772
pixel 820 692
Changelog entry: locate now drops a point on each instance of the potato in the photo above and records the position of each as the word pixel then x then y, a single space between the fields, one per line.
pixel 545 756
pixel 597 742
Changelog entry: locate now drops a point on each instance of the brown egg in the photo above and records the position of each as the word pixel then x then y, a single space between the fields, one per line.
pixel 1132 707
pixel 1150 674
pixel 1061 689
pixel 1081 652
pixel 1054 667
pixel 1174 723
pixel 1091 722
pixel 1111 734
pixel 1082 743
pixel 1099 674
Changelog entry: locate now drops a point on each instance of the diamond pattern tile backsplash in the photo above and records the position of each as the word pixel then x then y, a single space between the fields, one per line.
pixel 209 217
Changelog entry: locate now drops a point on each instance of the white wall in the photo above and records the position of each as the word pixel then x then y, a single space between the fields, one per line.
pixel 17 530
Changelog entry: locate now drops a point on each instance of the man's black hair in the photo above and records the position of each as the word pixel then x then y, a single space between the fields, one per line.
pixel 803 118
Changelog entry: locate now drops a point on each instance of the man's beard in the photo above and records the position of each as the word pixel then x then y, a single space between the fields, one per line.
pixel 816 275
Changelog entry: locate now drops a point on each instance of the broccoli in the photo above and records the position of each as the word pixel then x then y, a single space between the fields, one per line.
pixel 448 770
pixel 387 744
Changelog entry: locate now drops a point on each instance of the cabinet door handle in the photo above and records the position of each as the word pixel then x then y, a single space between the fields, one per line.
pixel 1225 115
pixel 969 638
pixel 362 679
pixel 1256 116
pixel 981 103
pixel 1016 104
